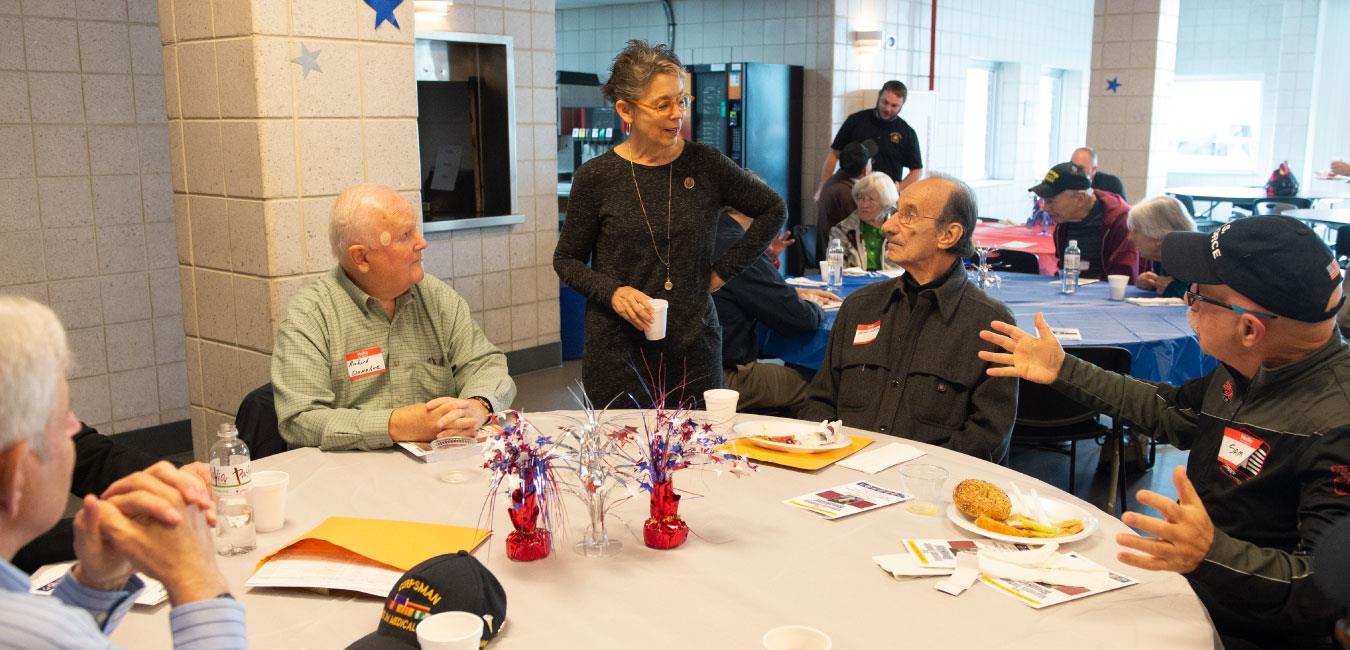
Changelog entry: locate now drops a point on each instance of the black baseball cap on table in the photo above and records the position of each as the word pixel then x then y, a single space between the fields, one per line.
pixel 1277 262
pixel 1061 177
pixel 455 582
pixel 855 156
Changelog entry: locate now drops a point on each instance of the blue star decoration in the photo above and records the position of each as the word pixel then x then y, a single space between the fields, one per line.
pixel 308 60
pixel 1111 84
pixel 384 11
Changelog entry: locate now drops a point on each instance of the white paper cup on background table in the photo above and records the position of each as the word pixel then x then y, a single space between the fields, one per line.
pixel 268 495
pixel 796 637
pixel 720 404
pixel 660 307
pixel 450 631
pixel 1118 284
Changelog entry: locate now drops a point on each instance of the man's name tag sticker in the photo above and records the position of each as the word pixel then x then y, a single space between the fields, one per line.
pixel 1237 447
pixel 364 363
pixel 866 333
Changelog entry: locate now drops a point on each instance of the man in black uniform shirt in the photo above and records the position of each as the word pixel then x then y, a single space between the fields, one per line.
pixel 897 144
pixel 1086 159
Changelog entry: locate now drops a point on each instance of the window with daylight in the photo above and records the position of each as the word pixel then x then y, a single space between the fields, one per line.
pixel 1215 125
pixel 978 154
pixel 1047 148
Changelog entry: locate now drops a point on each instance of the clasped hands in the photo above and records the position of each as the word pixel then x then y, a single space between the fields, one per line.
pixel 1183 537
pixel 157 521
pixel 442 417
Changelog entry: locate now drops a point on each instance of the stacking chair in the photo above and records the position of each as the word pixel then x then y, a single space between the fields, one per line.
pixel 1046 419
pixel 1278 205
pixel 1342 245
pixel 257 423
pixel 1013 261
pixel 1202 224
pixel 803 253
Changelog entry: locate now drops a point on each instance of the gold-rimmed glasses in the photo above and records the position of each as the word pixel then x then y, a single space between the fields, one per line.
pixel 908 214
pixel 663 105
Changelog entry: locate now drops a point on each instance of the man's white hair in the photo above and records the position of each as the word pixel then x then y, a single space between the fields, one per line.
pixel 33 358
pixel 353 212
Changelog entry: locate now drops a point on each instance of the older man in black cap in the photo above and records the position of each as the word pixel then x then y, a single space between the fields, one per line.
pixel 1094 218
pixel 1268 430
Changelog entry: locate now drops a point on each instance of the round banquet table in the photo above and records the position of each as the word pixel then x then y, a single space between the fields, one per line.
pixel 751 563
pixel 999 235
pixel 1163 345
pixel 1333 217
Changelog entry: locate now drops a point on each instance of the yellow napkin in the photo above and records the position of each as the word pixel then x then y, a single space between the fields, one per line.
pixel 396 544
pixel 796 460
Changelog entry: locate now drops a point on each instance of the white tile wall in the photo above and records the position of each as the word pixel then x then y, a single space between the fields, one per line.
pixel 84 171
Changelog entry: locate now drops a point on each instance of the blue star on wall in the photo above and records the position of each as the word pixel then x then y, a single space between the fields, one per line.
pixel 384 11
pixel 1111 84
pixel 308 60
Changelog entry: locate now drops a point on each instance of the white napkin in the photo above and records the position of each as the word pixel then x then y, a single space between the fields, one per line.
pixel 1082 282
pixel 1043 564
pixel 855 271
pixel 904 565
pixel 1155 302
pixel 1015 244
pixel 878 459
pixel 967 570
pixel 1067 333
pixel 805 282
pixel 892 273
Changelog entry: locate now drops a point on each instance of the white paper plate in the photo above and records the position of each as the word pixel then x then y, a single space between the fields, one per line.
pixel 753 429
pixel 1057 511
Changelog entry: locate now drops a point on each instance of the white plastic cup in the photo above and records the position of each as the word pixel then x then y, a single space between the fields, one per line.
pixel 720 404
pixel 269 499
pixel 825 271
pixel 1118 284
pixel 924 483
pixel 450 631
pixel 796 637
pixel 658 329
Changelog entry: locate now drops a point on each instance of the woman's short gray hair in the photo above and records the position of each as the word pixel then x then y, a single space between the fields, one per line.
pixel 635 66
pixel 881 186
pixel 33 361
pixel 1157 216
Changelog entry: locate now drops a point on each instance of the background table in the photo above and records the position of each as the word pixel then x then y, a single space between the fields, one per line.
pixel 1163 345
pixel 995 235
pixel 752 563
pixel 1332 217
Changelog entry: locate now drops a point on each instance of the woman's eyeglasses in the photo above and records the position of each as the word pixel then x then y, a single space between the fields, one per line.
pixel 1192 297
pixel 663 106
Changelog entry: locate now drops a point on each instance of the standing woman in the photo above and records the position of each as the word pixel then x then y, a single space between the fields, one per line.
pixel 644 216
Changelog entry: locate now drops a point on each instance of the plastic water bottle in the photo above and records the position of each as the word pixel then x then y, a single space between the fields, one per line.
pixel 230 481
pixel 1068 277
pixel 835 256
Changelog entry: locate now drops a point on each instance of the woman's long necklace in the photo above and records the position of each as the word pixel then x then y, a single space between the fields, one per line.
pixel 670 187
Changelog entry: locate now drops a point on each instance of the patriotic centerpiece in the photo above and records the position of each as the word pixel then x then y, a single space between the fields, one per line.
pixel 521 461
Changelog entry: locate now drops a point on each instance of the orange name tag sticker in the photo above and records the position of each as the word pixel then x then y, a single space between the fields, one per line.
pixel 1237 447
pixel 866 333
pixel 364 363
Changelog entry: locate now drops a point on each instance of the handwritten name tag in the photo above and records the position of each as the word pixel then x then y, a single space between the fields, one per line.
pixel 1237 447
pixel 364 363
pixel 866 333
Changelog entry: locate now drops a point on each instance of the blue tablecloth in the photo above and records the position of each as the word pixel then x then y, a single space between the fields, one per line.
pixel 1163 345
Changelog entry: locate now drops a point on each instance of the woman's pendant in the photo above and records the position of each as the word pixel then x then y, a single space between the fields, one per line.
pixel 669 284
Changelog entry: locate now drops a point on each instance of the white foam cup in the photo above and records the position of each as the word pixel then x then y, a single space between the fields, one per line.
pixel 796 637
pixel 1118 284
pixel 658 329
pixel 720 404
pixel 450 631
pixel 268 495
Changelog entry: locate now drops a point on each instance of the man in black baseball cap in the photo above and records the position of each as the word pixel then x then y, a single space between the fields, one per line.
pixel 1268 430
pixel 455 582
pixel 1096 219
pixel 836 196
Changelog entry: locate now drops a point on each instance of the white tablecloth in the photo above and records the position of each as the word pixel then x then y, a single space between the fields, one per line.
pixel 750 564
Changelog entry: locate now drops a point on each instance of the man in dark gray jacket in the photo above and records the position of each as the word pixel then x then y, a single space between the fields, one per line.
pixel 1268 430
pixel 899 359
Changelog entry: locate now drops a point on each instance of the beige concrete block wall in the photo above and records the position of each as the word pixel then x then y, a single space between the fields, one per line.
pixel 86 203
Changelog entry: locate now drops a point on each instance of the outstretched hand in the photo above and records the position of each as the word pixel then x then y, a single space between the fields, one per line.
pixel 1033 358
pixel 1180 541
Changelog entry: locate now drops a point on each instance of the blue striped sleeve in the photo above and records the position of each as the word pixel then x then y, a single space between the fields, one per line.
pixel 216 624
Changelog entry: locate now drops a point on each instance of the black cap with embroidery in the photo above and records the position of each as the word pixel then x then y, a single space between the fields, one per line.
pixel 1061 177
pixel 455 582
pixel 1277 262
pixel 855 156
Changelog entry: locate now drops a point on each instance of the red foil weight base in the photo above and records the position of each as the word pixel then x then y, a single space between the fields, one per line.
pixel 664 529
pixel 527 542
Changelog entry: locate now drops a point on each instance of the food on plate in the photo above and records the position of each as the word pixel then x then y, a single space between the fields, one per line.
pixel 976 498
pixel 1017 525
pixel 825 435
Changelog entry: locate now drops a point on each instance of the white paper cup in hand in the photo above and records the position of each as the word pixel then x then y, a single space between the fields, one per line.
pixel 720 404
pixel 796 637
pixel 1118 284
pixel 268 495
pixel 658 329
pixel 450 631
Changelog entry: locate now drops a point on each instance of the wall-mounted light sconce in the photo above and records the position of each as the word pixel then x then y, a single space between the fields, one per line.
pixel 431 7
pixel 867 39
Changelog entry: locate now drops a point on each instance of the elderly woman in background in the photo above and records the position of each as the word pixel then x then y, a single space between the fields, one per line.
pixel 860 232
pixel 641 224
pixel 1149 222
